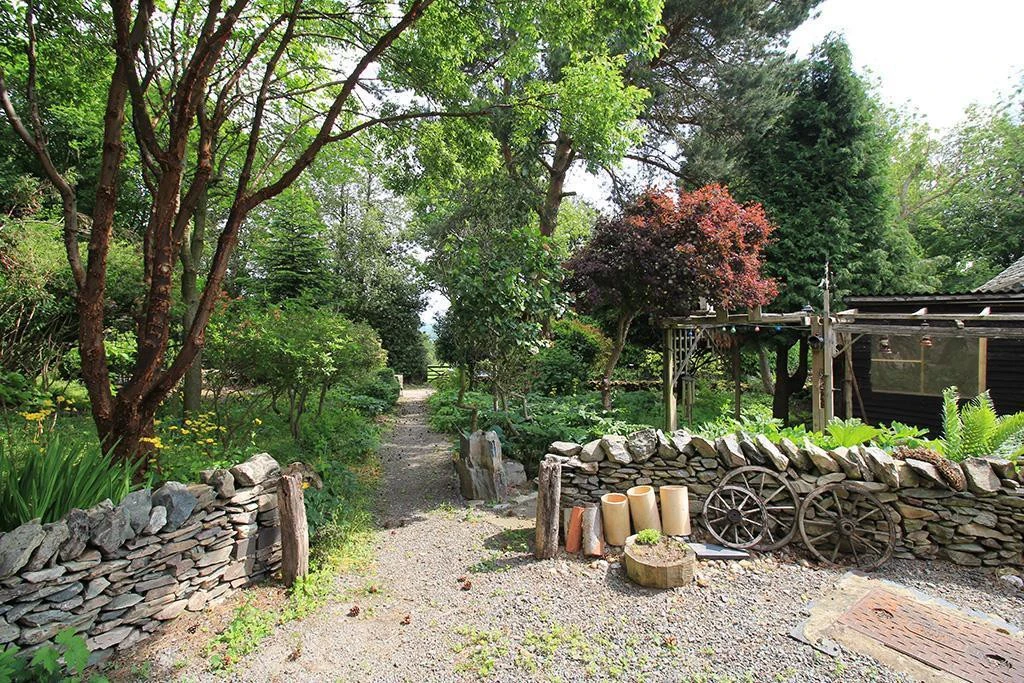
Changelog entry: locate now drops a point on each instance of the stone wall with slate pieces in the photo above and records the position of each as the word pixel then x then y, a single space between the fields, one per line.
pixel 116 573
pixel 971 513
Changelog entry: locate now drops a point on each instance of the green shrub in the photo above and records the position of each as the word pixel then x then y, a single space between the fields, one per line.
pixel 45 664
pixel 64 475
pixel 648 537
pixel 573 359
pixel 976 430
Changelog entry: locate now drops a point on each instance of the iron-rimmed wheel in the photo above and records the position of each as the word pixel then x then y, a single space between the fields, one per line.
pixel 780 499
pixel 844 523
pixel 735 516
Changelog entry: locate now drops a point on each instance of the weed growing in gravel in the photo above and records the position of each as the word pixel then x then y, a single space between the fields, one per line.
pixel 483 648
pixel 489 565
pixel 247 628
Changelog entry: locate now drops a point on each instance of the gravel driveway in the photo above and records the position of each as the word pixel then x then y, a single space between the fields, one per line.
pixel 455 595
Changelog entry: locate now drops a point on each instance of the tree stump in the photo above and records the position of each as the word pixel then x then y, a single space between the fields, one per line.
pixel 549 489
pixel 593 532
pixel 291 506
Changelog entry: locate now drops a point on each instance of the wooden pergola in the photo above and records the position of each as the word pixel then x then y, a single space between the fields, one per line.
pixel 683 336
pixel 830 337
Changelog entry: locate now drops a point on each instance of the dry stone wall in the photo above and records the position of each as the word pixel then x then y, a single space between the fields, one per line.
pixel 116 573
pixel 971 513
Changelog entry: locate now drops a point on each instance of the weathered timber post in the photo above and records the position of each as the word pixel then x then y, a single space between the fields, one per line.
pixel 294 532
pixel 549 489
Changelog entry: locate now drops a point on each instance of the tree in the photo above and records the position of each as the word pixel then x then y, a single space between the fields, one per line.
pixel 294 262
pixel 665 253
pixel 282 78
pixel 959 194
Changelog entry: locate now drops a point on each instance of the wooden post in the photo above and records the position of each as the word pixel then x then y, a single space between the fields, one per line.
pixel 817 379
pixel 294 531
pixel 593 531
pixel 549 489
pixel 668 376
pixel 848 376
pixel 737 401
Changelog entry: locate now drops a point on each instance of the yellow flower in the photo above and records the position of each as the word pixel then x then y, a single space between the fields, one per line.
pixel 305 485
pixel 257 422
pixel 153 440
pixel 185 432
pixel 209 441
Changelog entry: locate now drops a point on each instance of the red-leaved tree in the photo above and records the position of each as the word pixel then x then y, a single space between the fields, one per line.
pixel 666 252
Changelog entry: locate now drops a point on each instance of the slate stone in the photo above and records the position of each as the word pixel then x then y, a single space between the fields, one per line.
pixel 43 575
pixel 109 528
pixel 832 478
pixel 615 448
pixel 8 632
pixel 666 449
pixel 981 478
pixel 642 444
pixel 56 534
pixel 95 587
pixel 926 472
pixel 682 441
pixel 588 467
pixel 882 465
pixel 223 482
pixel 157 520
pixel 566 448
pixel 591 451
pixel 1004 469
pixel 911 512
pixel 178 502
pixel 797 458
pixel 17 546
pixel 825 463
pixel 138 505
pixel 78 535
pixel 906 474
pixel 983 532
pixel 962 558
pixel 750 452
pixel 729 451
pixel 255 470
pixel 775 456
pixel 204 495
pixel 850 462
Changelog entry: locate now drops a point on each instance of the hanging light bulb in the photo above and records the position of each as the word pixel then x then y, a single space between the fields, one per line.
pixel 757 328
pixel 884 346
pixel 732 330
pixel 778 328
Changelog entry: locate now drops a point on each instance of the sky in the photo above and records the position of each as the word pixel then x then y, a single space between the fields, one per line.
pixel 936 56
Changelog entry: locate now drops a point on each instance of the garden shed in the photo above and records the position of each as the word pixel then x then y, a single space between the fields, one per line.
pixel 905 349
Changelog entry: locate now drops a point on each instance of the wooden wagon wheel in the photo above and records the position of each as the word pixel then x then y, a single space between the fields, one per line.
pixel 735 516
pixel 844 523
pixel 780 499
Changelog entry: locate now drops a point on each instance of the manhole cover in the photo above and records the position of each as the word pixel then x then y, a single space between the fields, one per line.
pixel 938 637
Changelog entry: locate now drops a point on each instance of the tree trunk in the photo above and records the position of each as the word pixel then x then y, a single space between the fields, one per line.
pixel 766 370
pixel 191 256
pixel 621 330
pixel 549 490
pixel 561 161
pixel 786 384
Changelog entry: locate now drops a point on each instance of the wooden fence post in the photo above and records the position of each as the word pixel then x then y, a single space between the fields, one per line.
pixel 549 489
pixel 294 532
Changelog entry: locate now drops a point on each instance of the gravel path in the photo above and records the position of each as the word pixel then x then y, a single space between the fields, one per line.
pixel 563 619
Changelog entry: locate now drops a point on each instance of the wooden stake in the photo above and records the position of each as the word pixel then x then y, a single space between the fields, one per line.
pixel 593 532
pixel 549 489
pixel 294 531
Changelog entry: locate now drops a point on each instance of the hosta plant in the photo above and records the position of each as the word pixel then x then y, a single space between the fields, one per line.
pixel 976 429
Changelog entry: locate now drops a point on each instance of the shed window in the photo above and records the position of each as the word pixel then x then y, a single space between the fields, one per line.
pixel 902 365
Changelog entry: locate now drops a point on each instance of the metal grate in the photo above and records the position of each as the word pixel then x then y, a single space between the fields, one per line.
pixel 938 637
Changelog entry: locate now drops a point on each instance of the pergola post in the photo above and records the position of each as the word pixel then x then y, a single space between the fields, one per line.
pixel 818 420
pixel 668 383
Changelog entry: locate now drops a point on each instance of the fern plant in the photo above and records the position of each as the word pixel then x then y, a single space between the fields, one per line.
pixel 976 429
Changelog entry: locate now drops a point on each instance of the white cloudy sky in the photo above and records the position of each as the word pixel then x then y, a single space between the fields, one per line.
pixel 938 56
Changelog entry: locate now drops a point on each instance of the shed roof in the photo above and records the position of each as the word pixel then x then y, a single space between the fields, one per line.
pixel 1010 280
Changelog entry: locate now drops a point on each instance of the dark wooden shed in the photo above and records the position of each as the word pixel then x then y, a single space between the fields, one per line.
pixel 905 349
